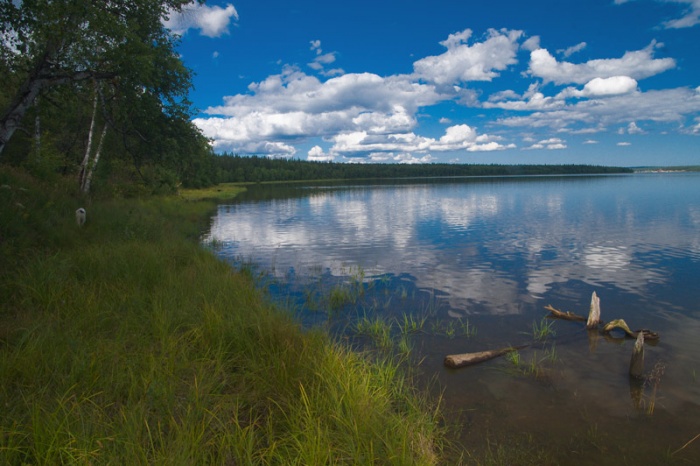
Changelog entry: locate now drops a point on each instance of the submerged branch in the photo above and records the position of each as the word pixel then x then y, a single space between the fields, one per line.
pixel 621 324
pixel 456 361
pixel 556 313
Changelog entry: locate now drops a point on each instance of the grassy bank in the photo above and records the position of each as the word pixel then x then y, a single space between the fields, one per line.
pixel 124 342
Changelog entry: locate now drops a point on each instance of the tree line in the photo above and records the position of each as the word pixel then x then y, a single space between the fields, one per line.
pixel 237 168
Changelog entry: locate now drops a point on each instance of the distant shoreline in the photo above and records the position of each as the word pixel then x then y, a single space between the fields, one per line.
pixel 682 169
pixel 243 169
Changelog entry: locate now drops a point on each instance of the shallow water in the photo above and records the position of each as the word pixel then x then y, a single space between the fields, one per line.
pixel 492 252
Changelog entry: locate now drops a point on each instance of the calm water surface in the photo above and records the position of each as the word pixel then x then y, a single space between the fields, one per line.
pixel 491 253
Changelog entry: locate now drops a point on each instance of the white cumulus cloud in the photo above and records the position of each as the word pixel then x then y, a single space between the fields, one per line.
pixel 316 154
pixel 613 85
pixel 637 65
pixel 212 21
pixel 294 106
pixel 462 62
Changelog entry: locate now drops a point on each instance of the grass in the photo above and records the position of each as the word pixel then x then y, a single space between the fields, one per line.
pixel 543 329
pixel 124 342
pixel 339 296
pixel 536 365
pixel 377 329
pixel 411 324
pixel 220 192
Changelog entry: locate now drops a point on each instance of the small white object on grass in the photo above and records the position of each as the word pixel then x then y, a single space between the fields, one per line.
pixel 80 216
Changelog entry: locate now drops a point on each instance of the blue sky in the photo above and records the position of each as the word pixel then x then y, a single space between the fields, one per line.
pixel 612 82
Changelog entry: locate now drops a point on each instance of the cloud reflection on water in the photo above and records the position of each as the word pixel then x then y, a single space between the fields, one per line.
pixel 488 245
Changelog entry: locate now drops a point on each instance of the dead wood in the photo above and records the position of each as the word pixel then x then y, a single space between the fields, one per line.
pixel 622 325
pixel 637 361
pixel 557 314
pixel 594 312
pixel 456 361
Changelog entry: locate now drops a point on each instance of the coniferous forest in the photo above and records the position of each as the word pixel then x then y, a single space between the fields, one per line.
pixel 235 168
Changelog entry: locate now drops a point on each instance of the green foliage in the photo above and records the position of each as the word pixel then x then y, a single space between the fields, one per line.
pixel 75 53
pixel 124 342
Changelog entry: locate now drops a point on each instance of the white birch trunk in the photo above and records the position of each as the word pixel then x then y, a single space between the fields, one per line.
pixel 86 158
pixel 88 178
pixel 16 111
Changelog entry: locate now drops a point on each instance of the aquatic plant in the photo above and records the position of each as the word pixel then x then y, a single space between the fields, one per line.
pixel 404 345
pixel 403 292
pixel 468 330
pixel 339 296
pixel 450 329
pixel 357 282
pixel 377 329
pixel 410 324
pixel 535 365
pixel 514 358
pixel 543 329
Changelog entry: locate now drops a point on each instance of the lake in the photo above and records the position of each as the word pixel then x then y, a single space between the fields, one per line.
pixel 426 268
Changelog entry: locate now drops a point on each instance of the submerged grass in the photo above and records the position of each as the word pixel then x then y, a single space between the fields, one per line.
pixel 124 342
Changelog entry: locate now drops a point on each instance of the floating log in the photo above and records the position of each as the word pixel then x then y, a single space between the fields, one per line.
pixel 621 324
pixel 456 361
pixel 556 313
pixel 637 361
pixel 594 312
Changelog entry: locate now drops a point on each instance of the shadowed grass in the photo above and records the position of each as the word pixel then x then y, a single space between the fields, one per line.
pixel 124 342
pixel 220 192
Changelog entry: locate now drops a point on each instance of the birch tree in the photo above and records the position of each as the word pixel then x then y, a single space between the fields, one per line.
pixel 48 43
pixel 89 163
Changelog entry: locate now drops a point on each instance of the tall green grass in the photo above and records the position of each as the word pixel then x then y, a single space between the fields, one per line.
pixel 124 342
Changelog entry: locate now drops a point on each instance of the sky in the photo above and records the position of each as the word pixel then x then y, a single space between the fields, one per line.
pixel 605 82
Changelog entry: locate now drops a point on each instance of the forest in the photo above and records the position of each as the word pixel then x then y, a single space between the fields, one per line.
pixel 231 168
pixel 97 91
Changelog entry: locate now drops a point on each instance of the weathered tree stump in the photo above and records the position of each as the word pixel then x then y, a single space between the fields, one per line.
pixel 637 361
pixel 594 312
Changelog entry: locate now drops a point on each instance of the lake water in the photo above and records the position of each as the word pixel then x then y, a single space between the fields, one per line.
pixel 463 265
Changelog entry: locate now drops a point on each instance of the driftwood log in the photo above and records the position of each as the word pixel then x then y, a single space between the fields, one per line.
pixel 456 361
pixel 593 322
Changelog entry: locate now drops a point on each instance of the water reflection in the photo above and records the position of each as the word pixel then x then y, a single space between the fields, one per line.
pixel 488 245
